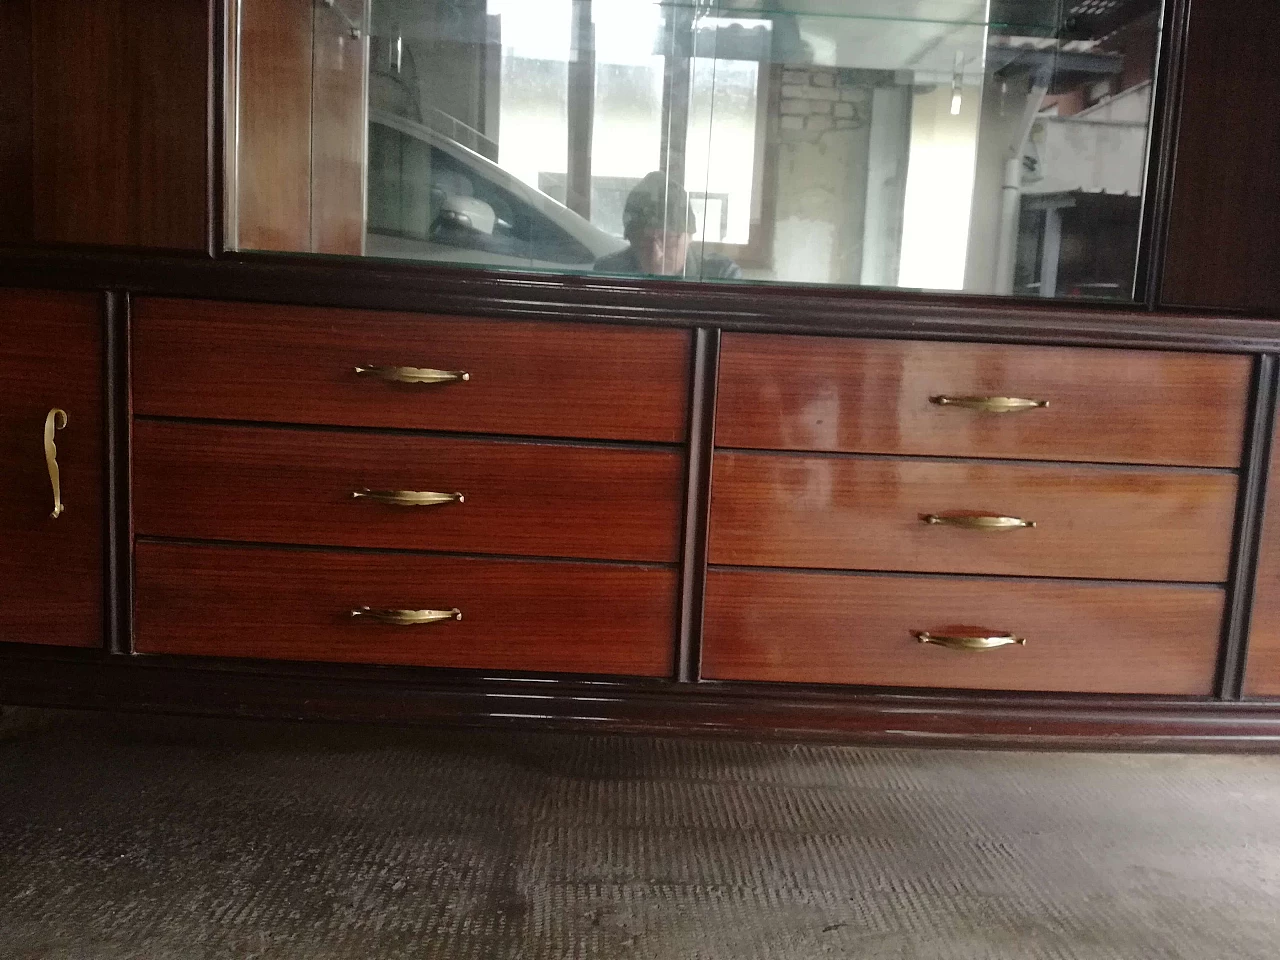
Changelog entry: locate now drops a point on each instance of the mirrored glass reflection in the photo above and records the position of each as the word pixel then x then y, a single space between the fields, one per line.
pixel 984 146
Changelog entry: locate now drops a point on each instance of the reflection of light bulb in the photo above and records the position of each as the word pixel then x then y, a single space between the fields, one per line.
pixel 957 78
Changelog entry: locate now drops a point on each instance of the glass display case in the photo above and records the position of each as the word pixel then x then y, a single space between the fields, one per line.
pixel 983 146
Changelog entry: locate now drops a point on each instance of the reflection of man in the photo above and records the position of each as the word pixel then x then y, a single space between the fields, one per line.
pixel 659 224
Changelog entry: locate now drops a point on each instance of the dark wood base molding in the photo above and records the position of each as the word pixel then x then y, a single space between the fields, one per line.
pixel 363 695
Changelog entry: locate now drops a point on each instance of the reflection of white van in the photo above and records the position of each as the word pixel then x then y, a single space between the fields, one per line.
pixel 433 199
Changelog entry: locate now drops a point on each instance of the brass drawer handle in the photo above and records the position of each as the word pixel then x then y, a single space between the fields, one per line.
pixel 407 618
pixel 981 521
pixel 969 642
pixel 56 420
pixel 413 374
pixel 990 404
pixel 408 498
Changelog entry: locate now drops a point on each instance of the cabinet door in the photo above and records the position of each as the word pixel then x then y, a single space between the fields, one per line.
pixel 51 567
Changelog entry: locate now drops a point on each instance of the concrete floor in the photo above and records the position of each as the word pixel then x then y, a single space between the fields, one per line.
pixel 160 838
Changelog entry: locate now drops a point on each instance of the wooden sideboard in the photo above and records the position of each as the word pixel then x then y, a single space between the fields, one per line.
pixel 380 514
pixel 649 505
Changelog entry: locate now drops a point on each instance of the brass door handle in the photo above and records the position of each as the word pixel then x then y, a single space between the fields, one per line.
pixel 979 641
pixel 407 618
pixel 56 420
pixel 413 374
pixel 990 404
pixel 980 521
pixel 408 498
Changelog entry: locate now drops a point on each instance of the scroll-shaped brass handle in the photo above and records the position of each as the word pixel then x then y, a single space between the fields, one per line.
pixel 990 404
pixel 409 498
pixel 56 420
pixel 413 374
pixel 966 641
pixel 407 618
pixel 977 521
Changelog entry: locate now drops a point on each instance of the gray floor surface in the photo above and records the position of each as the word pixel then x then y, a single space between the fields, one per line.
pixel 158 838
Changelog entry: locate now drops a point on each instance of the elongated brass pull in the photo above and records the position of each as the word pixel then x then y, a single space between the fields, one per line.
pixel 990 404
pixel 56 420
pixel 978 641
pixel 407 618
pixel 980 521
pixel 409 498
pixel 413 374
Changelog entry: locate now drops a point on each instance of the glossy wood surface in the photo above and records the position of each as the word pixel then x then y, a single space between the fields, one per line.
pixel 297 364
pixel 1262 669
pixel 853 629
pixel 865 513
pixel 15 121
pixel 339 131
pixel 873 396
pixel 1224 221
pixel 121 129
pixel 281 604
pixel 272 126
pixel 209 481
pixel 51 570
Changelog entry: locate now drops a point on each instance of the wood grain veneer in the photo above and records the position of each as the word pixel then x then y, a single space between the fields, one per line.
pixel 211 481
pixel 1224 216
pixel 15 121
pixel 121 129
pixel 272 203
pixel 339 131
pixel 51 571
pixel 296 364
pixel 787 510
pixel 855 629
pixel 873 396
pixel 295 605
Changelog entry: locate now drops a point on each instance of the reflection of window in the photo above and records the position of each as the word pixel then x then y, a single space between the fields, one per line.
pixel 720 158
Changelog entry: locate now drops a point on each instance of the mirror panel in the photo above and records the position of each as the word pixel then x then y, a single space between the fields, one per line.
pixel 983 146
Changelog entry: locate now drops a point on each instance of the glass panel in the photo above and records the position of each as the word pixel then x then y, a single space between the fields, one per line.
pixel 985 146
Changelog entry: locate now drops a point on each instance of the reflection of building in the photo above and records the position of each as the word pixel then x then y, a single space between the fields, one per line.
pixel 1082 197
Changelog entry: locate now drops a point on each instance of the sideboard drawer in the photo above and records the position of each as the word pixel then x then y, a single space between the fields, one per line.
pixel 281 604
pixel 242 361
pixel 874 396
pixel 869 513
pixel 860 629
pixel 291 485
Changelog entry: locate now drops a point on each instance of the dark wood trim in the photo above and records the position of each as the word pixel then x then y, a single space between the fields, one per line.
pixel 170 685
pixel 118 588
pixel 215 216
pixel 693 571
pixel 1249 513
pixel 1162 159
pixel 350 282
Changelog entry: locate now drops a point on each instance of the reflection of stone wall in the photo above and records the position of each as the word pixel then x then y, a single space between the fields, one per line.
pixel 818 99
pixel 824 138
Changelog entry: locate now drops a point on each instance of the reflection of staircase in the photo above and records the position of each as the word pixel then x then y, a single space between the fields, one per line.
pixel 459 132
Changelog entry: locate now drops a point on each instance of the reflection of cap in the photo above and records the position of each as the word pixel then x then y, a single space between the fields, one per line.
pixel 655 204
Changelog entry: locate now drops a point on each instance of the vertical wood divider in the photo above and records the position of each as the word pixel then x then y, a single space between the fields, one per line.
pixel 1252 502
pixel 118 407
pixel 701 442
pixel 1165 122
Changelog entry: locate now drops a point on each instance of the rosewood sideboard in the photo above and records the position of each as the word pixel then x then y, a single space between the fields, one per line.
pixel 275 485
